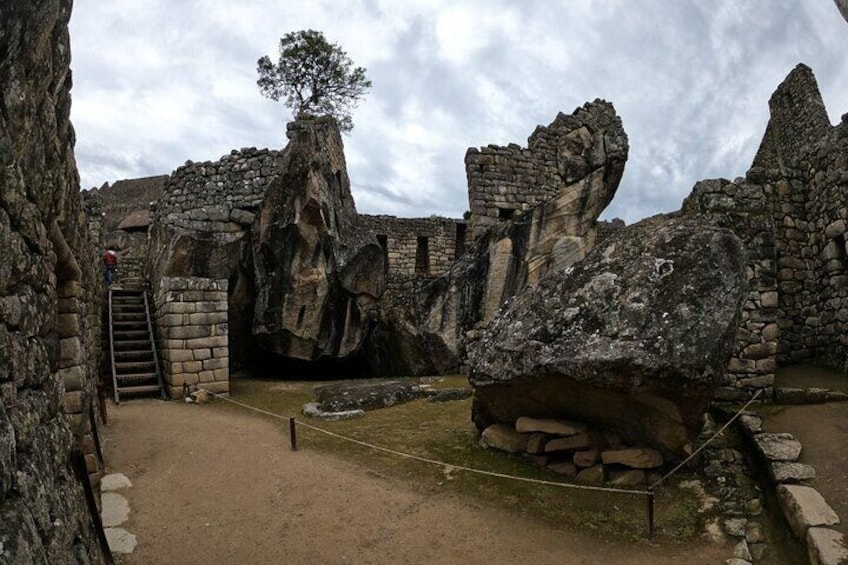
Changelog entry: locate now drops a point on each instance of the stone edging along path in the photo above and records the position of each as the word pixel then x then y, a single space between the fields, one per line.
pixel 807 512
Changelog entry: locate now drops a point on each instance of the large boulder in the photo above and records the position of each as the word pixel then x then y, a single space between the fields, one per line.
pixel 633 339
pixel 317 281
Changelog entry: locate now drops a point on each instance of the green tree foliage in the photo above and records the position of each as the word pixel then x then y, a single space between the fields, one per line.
pixel 313 77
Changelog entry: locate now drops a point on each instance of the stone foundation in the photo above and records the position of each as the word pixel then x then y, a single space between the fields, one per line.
pixel 191 318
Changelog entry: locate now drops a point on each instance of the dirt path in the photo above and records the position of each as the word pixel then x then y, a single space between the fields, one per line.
pixel 218 486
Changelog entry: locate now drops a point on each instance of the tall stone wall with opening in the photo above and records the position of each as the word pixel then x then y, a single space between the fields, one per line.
pixel 49 309
pixel 792 210
pixel 417 247
pixel 193 334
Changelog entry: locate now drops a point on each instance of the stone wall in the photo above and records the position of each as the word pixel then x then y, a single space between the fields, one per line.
pixel 506 180
pixel 191 317
pixel 746 209
pixel 49 309
pixel 218 196
pixel 417 247
pixel 792 210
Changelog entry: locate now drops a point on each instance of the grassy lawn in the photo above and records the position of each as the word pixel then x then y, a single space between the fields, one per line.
pixel 444 432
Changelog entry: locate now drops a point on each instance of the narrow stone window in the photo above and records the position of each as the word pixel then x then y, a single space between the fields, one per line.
pixel 505 213
pixel 300 315
pixel 459 246
pixel 383 240
pixel 422 256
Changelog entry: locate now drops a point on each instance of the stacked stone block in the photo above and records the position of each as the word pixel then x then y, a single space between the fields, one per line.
pixel 191 317
pixel 445 236
pixel 218 196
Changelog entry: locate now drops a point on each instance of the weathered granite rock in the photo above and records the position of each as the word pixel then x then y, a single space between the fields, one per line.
pixel 843 8
pixel 627 478
pixel 635 457
pixel 826 546
pixel 778 446
pixel 553 427
pixel 571 443
pixel 563 468
pixel 540 206
pixel 366 395
pixel 49 295
pixel 633 339
pixel 505 438
pixel 594 474
pixel 805 508
pixel 316 287
pixel 791 472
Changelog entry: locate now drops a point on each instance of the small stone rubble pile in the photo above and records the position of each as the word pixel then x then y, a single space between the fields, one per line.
pixel 573 449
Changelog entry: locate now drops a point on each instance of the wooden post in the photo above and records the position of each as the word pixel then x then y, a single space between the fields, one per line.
pixel 292 434
pixel 650 513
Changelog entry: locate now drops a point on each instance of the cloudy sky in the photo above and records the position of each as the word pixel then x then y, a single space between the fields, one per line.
pixel 158 82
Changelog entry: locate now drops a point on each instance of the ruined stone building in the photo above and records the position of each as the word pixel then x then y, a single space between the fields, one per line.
pixel 311 281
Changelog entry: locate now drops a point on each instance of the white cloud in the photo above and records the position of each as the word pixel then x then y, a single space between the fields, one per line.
pixel 158 82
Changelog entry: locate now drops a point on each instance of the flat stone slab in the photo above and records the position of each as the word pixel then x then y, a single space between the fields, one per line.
pixel 553 427
pixel 120 540
pixel 778 447
pixel 366 395
pixel 804 508
pixel 571 443
pixel 783 472
pixel 635 457
pixel 115 481
pixel 114 509
pixel 504 438
pixel 313 410
pixel 826 547
pixel 449 394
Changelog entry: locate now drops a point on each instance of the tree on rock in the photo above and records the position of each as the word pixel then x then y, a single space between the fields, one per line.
pixel 313 77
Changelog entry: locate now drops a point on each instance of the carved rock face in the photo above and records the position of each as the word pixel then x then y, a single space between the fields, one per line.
pixel 634 339
pixel 316 286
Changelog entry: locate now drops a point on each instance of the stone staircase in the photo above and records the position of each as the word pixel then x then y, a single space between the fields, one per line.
pixel 135 363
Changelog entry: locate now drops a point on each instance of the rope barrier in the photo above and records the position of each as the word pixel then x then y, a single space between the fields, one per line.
pixel 434 461
pixel 649 491
pixel 706 443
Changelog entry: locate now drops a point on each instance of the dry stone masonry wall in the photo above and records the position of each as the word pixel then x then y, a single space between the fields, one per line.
pixel 191 314
pixel 792 211
pixel 49 316
pixel 218 196
pixel 417 247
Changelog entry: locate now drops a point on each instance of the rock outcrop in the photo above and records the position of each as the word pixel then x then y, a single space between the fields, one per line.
pixel 317 282
pixel 533 211
pixel 843 8
pixel 49 308
pixel 634 339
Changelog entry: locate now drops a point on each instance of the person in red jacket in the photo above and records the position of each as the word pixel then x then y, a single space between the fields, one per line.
pixel 110 264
